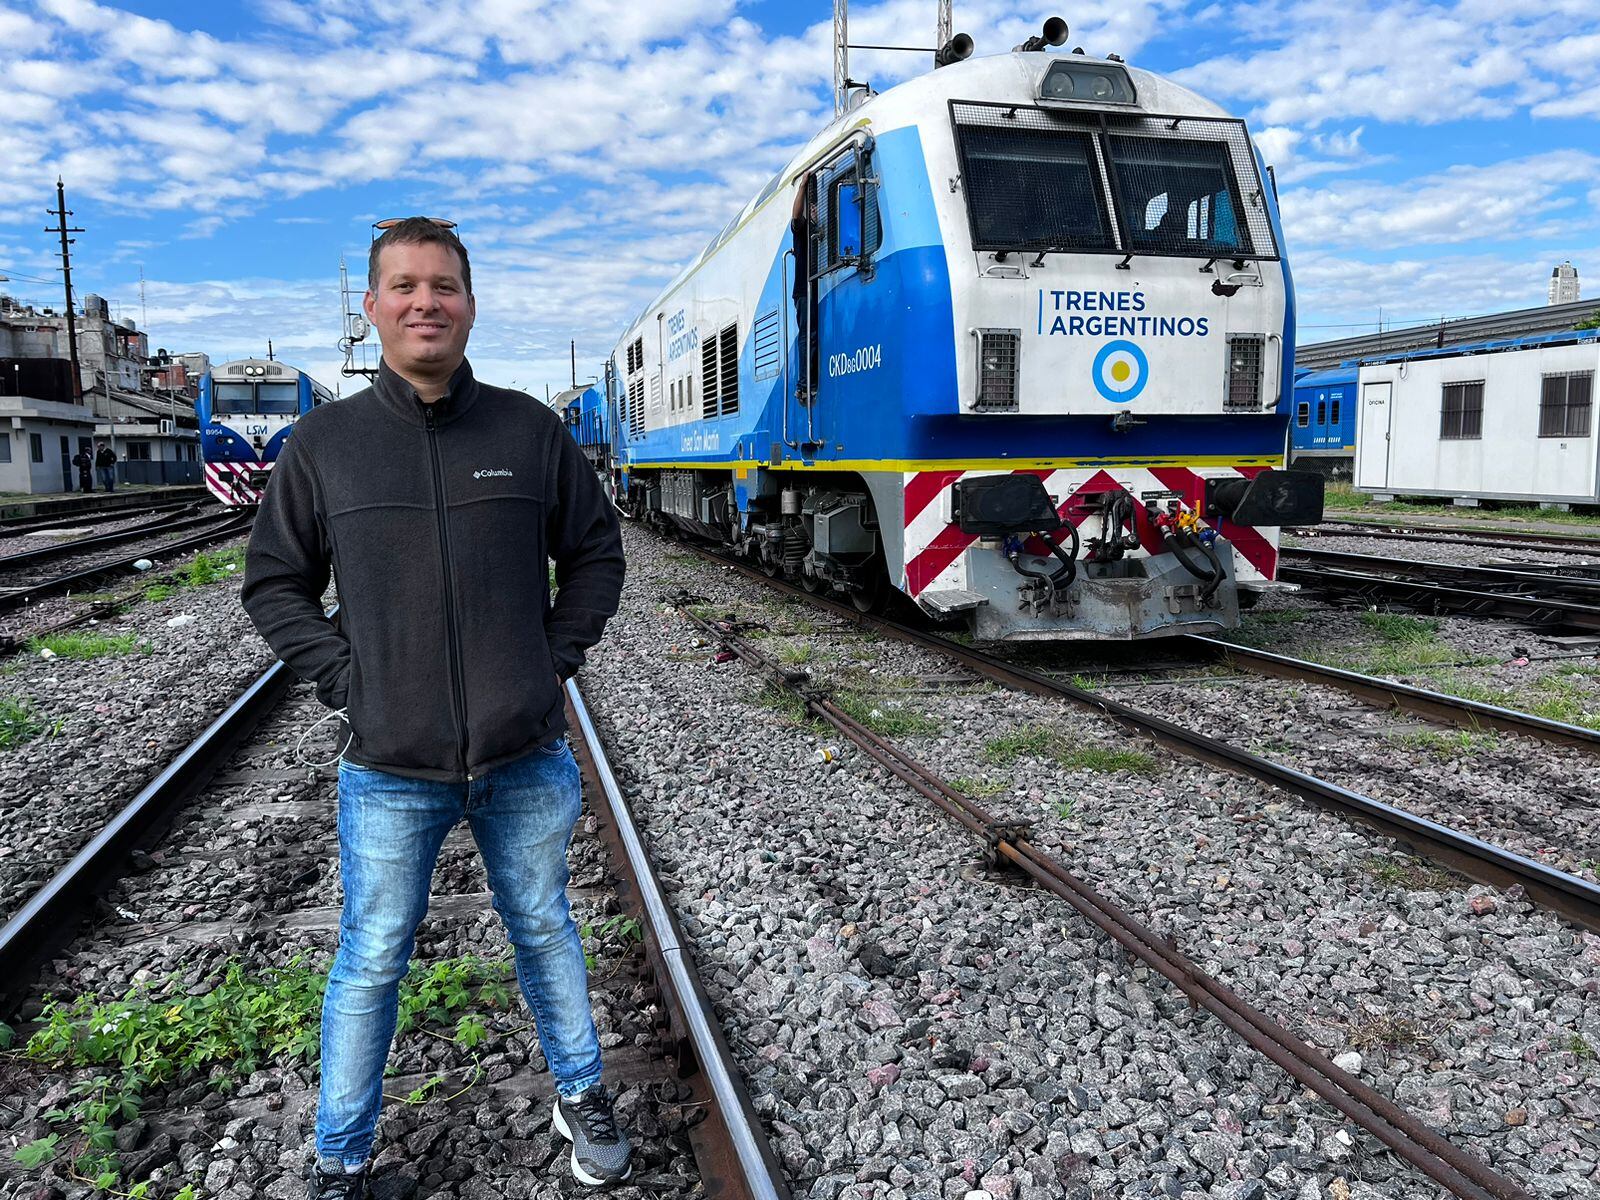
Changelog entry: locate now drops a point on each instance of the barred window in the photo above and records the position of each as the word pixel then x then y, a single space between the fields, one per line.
pixel 1303 416
pixel 1322 412
pixel 1564 404
pixel 719 374
pixel 1177 195
pixel 1335 412
pixel 1033 189
pixel 1461 412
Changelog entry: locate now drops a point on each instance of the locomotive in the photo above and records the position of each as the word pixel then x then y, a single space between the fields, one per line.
pixel 1014 338
pixel 246 410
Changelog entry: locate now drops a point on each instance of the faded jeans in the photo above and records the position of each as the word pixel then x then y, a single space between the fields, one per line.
pixel 390 831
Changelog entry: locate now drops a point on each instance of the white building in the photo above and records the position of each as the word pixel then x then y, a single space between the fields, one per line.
pixel 1502 421
pixel 1564 284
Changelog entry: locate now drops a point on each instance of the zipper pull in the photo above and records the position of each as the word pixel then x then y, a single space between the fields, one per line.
pixel 427 417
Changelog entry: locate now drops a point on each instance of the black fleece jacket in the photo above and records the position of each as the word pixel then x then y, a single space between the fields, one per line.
pixel 437 521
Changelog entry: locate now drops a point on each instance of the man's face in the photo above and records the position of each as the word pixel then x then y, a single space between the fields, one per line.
pixel 421 309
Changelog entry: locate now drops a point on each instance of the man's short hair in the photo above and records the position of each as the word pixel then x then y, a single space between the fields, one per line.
pixel 416 231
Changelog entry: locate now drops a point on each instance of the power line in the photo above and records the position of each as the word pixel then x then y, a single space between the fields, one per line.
pixel 13 273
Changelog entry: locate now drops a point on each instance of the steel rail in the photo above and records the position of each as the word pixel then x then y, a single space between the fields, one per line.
pixel 1490 538
pixel 1386 693
pixel 1434 597
pixel 172 523
pixel 1574 898
pixel 100 504
pixel 19 526
pixel 1487 579
pixel 735 1159
pixel 49 919
pixel 1410 1139
pixel 22 597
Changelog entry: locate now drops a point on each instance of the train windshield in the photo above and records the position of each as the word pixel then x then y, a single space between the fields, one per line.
pixel 233 399
pixel 1031 189
pixel 278 399
pixel 1177 196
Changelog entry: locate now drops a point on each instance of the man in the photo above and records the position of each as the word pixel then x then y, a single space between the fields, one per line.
pixel 84 461
pixel 106 459
pixel 447 666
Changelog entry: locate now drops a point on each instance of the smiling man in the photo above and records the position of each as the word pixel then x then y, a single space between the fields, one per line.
pixel 436 502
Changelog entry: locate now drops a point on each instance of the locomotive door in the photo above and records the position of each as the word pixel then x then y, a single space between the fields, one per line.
pixel 1372 442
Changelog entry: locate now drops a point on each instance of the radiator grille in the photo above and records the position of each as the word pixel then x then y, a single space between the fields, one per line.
pixel 1245 355
pixel 999 362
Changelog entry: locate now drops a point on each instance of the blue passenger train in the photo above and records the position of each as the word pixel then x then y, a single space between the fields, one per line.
pixel 1015 338
pixel 246 409
pixel 1324 420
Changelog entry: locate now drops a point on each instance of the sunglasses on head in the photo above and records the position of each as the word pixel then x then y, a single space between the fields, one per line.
pixel 391 222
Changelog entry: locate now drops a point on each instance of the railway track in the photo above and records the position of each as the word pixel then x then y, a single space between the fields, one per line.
pixel 23 526
pixel 84 578
pixel 1535 598
pixel 231 760
pixel 1575 898
pixel 1495 539
pixel 184 518
pixel 1009 843
pixel 86 509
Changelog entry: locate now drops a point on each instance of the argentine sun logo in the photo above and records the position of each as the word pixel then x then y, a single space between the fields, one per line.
pixel 1120 371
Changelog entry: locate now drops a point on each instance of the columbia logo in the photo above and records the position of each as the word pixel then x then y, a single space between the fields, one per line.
pixel 492 473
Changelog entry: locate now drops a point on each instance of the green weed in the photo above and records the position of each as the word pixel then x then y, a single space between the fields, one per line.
pixel 796 654
pixel 160 591
pixel 1580 1048
pixel 977 788
pixel 1395 627
pixel 81 646
pixel 885 718
pixel 1410 873
pixel 1096 758
pixel 1032 741
pixel 783 701
pixel 154 1036
pixel 19 722
pixel 1042 741
pixel 1064 809
pixel 1448 744
pixel 618 933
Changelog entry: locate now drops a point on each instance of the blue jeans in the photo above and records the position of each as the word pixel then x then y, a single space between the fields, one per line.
pixel 390 831
pixel 108 477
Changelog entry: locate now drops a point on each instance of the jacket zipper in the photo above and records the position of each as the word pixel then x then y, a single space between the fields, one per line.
pixel 458 688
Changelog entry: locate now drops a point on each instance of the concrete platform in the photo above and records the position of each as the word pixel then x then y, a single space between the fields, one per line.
pixel 67 504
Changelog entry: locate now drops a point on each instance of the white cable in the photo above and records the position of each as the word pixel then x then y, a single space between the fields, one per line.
pixel 299 746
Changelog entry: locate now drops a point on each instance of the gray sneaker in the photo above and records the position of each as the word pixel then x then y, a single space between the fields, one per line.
pixel 601 1152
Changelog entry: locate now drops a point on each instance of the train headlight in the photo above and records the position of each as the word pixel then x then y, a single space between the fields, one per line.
pixel 1087 82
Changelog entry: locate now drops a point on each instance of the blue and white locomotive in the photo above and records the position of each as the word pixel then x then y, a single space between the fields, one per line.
pixel 1015 338
pixel 246 410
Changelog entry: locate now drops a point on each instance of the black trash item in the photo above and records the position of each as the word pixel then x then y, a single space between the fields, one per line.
pixel 995 505
pixel 1272 498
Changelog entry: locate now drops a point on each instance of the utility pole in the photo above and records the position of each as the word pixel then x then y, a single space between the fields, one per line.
pixel 574 345
pixel 61 213
pixel 144 317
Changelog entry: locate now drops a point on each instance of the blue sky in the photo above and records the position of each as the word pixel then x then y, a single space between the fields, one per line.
pixel 1434 158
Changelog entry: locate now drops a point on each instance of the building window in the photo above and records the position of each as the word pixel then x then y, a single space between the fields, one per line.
pixel 1303 416
pixel 1564 404
pixel 5 445
pixel 36 446
pixel 1461 412
pixel 138 451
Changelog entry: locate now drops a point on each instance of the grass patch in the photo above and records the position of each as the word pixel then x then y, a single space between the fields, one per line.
pixel 1448 744
pixel 977 788
pixel 19 722
pixel 1034 741
pixel 887 719
pixel 1041 741
pixel 1561 697
pixel 1401 629
pixel 153 1036
pixel 795 655
pixel 160 591
pixel 1580 1048
pixel 1411 873
pixel 208 567
pixel 82 646
pixel 1342 497
pixel 784 702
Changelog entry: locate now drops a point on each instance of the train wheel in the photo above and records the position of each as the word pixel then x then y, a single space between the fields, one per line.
pixel 870 595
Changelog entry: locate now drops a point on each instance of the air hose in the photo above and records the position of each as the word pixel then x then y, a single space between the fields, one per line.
pixel 1180 533
pixel 1062 577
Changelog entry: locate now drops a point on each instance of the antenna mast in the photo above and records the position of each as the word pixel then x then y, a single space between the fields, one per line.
pixel 947 26
pixel 353 345
pixel 841 53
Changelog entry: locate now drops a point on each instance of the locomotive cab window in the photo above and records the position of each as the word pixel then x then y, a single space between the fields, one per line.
pixel 848 231
pixel 233 399
pixel 278 399
pixel 1177 196
pixel 1033 189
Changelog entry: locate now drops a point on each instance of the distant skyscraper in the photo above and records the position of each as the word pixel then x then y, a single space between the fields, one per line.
pixel 1564 284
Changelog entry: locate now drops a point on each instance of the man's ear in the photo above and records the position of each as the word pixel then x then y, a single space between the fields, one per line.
pixel 368 303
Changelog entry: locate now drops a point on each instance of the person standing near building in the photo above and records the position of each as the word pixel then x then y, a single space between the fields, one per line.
pixel 105 458
pixel 84 461
pixel 447 667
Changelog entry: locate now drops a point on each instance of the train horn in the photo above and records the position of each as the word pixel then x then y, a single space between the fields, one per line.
pixel 1054 34
pixel 955 50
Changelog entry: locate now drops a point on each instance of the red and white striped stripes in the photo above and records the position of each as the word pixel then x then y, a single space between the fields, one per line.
pixel 230 482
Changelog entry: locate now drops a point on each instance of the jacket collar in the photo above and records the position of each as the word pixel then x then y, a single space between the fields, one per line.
pixel 401 399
